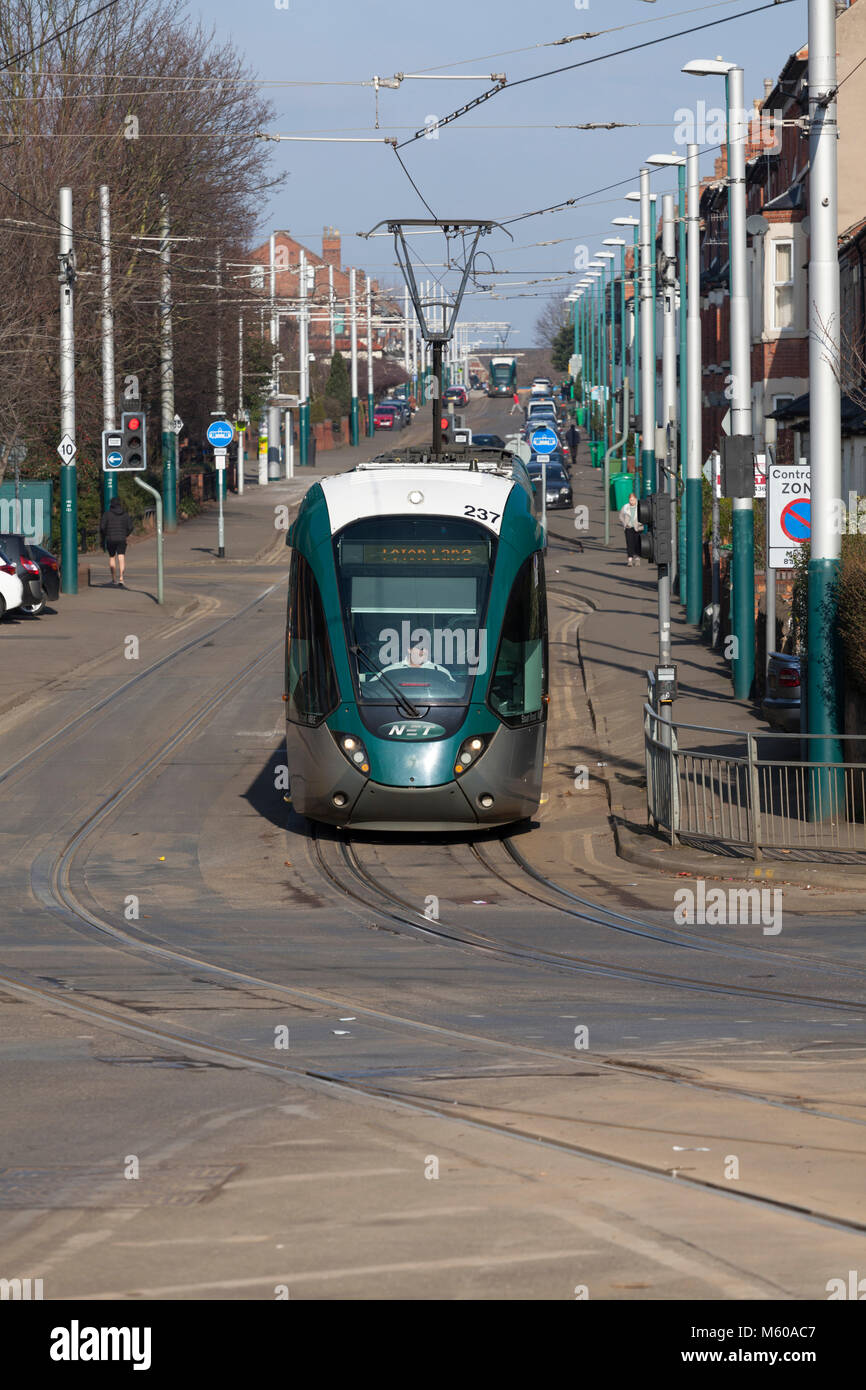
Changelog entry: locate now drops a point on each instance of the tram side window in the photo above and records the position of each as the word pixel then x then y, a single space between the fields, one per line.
pixel 519 681
pixel 312 682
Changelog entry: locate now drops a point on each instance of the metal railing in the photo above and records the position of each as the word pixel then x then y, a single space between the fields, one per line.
pixel 752 792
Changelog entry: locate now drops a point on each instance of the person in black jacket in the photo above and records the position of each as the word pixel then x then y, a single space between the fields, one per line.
pixel 572 439
pixel 114 528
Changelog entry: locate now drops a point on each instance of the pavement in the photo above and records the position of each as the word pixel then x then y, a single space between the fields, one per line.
pixel 617 643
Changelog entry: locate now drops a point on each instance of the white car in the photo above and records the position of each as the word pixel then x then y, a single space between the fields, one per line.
pixel 541 386
pixel 11 588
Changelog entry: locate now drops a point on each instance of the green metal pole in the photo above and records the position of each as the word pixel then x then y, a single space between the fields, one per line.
pixel 622 351
pixel 169 480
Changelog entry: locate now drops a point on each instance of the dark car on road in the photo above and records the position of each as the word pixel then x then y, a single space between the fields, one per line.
pixel 558 486
pixel 17 552
pixel 49 568
pixel 488 441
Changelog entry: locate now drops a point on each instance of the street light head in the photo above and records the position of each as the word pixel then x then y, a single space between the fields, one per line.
pixel 708 67
pixel 614 241
pixel 663 160
pixel 607 255
pixel 625 222
pixel 635 197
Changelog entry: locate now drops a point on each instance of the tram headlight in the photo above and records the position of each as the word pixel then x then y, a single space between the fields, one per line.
pixel 354 751
pixel 470 751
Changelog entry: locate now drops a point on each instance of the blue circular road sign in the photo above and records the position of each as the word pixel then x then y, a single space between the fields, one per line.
pixel 544 441
pixel 114 459
pixel 220 434
pixel 797 520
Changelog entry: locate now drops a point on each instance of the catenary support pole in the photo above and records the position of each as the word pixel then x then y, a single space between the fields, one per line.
pixel 823 667
pixel 241 415
pixel 669 368
pixel 109 403
pixel 166 372
pixel 68 470
pixel 682 452
pixel 354 432
pixel 743 563
pixel 371 429
pixel 647 346
pixel 694 489
pixel 304 364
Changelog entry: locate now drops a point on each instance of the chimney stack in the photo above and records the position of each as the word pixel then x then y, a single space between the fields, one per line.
pixel 331 250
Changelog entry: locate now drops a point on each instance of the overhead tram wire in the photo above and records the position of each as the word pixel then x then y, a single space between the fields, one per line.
pixel 573 38
pixel 588 62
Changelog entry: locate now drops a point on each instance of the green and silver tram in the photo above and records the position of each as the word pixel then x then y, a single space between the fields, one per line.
pixel 416 652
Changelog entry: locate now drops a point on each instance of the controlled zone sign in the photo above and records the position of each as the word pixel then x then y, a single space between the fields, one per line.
pixel 789 512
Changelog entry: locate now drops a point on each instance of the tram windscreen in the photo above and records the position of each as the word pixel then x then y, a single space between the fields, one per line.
pixel 414 592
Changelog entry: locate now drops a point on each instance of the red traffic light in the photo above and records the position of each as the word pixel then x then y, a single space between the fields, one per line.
pixel 133 423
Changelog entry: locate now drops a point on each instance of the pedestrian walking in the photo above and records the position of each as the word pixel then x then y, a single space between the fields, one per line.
pixel 515 403
pixel 572 439
pixel 114 528
pixel 632 528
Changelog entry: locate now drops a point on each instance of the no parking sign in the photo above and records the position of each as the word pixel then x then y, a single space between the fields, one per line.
pixel 789 512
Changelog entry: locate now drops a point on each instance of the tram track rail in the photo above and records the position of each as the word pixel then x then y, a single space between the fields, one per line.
pixel 53 883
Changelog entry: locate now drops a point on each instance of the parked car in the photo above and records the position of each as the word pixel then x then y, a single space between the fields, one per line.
pixel 558 486
pixel 387 416
pixel 11 588
pixel 17 552
pixel 541 386
pixel 458 394
pixel 542 409
pixel 488 441
pixel 49 568
pixel 781 703
pixel 402 406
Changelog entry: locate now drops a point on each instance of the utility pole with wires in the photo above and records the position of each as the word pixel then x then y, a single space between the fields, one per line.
pixel 166 372
pixel 67 447
pixel 109 403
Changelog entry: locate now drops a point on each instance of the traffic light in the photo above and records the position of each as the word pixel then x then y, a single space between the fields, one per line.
pixel 738 465
pixel 133 429
pixel 657 539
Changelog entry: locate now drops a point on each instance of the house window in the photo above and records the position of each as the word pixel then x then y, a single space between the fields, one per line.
pixel 783 284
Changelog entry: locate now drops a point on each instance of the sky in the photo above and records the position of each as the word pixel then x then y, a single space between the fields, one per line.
pixel 506 157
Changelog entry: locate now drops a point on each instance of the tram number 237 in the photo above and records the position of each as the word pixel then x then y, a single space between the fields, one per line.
pixel 481 514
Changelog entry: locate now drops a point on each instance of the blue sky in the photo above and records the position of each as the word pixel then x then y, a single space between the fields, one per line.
pixel 504 158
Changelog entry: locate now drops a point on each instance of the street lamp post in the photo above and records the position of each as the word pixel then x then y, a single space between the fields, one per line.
pixel 634 375
pixel 743 562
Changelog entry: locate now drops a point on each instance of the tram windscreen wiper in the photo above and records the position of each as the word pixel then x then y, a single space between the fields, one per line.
pixel 389 685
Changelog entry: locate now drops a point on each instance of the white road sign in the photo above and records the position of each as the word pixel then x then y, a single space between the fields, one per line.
pixel 67 448
pixel 789 512
pixel 760 475
pixel 712 471
pixel 177 424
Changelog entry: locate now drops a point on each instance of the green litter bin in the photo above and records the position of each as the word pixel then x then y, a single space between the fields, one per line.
pixel 621 489
pixel 597 448
pixel 581 416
